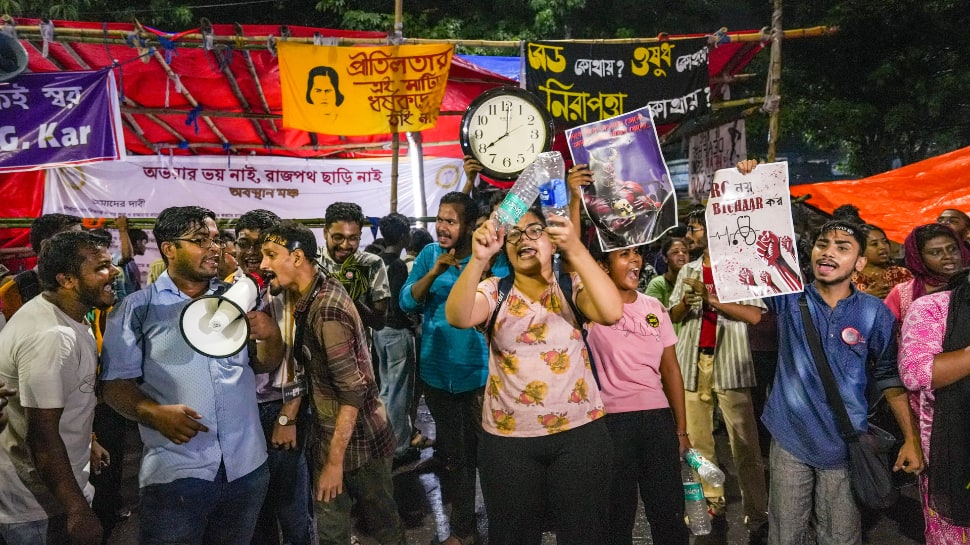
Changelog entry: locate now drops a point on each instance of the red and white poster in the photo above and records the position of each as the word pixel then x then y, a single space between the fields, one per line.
pixel 750 234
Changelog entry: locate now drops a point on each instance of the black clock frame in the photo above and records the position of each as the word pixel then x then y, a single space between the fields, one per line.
pixel 465 140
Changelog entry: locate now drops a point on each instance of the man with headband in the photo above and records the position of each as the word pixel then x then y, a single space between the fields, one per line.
pixel 808 460
pixel 350 444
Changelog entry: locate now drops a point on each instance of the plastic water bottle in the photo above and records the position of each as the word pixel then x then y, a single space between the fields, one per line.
pixel 695 506
pixel 547 166
pixel 554 198
pixel 711 474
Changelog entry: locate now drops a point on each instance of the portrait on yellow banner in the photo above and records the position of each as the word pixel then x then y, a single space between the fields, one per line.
pixel 354 91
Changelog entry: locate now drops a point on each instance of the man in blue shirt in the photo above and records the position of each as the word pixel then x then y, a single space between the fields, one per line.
pixel 453 362
pixel 808 455
pixel 203 474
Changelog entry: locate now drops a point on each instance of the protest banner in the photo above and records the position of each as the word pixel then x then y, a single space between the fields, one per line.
pixel 59 118
pixel 750 234
pixel 631 200
pixel 356 91
pixel 143 186
pixel 582 82
pixel 710 151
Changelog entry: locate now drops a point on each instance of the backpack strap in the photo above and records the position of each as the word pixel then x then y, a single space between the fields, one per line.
pixel 504 287
pixel 566 285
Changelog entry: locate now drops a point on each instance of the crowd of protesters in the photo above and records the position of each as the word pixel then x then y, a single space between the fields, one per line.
pixel 569 387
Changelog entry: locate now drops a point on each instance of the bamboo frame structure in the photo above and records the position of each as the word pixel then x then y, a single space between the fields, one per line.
pixel 194 39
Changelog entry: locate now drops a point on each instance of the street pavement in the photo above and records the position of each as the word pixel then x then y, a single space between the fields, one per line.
pixel 419 498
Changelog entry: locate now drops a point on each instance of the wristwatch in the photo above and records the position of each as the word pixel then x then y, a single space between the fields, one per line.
pixel 284 420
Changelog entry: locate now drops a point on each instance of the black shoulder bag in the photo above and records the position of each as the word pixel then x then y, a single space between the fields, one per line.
pixel 869 464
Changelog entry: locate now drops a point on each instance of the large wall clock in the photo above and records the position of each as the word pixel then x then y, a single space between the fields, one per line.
pixel 506 128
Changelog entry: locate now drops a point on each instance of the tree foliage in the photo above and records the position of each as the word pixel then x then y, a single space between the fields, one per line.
pixel 891 84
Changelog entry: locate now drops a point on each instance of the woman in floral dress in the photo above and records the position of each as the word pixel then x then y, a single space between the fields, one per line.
pixel 545 448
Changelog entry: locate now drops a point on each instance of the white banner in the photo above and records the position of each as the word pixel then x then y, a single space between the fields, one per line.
pixel 143 186
pixel 711 150
pixel 750 234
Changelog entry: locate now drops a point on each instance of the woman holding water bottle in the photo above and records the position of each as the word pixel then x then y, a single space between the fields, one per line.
pixel 545 446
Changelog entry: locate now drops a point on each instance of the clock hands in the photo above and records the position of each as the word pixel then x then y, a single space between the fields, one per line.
pixel 507 132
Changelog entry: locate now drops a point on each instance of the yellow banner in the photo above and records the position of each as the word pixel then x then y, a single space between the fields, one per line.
pixel 352 91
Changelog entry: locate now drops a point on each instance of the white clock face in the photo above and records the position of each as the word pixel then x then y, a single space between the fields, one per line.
pixel 506 133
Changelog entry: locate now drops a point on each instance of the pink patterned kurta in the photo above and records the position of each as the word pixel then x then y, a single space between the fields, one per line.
pixel 921 341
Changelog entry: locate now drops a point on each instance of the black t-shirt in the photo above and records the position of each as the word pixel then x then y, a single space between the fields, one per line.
pixel 397 275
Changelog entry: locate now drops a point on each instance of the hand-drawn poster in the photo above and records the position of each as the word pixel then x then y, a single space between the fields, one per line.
pixel 750 234
pixel 584 82
pixel 712 150
pixel 631 200
pixel 362 90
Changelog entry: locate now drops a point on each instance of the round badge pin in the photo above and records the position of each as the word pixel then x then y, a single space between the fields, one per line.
pixel 851 336
pixel 653 320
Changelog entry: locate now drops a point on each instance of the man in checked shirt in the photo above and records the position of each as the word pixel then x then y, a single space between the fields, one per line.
pixel 350 445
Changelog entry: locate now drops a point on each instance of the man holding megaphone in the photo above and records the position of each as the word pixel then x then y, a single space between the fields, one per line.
pixel 203 474
pixel 351 444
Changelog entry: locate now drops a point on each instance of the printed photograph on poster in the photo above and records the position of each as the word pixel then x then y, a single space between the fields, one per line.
pixel 750 234
pixel 631 200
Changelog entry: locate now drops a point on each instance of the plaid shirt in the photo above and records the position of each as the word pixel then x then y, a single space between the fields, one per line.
pixel 333 349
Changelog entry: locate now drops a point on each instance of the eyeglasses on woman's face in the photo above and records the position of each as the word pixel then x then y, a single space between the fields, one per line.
pixel 532 232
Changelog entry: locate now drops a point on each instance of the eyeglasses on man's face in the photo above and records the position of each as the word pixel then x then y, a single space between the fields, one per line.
pixel 204 243
pixel 339 239
pixel 532 232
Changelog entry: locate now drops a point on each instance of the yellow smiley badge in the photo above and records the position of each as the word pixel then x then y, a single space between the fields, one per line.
pixel 653 320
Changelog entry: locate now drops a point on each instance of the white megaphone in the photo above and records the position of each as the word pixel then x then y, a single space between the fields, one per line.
pixel 215 325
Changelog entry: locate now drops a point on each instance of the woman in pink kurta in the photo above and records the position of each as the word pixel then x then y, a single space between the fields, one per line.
pixel 921 348
pixel 933 253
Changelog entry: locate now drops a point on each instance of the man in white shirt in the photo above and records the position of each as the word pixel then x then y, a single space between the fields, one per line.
pixel 48 354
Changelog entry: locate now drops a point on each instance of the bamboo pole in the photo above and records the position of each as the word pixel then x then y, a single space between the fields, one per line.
pixel 252 73
pixel 219 53
pixel 119 37
pixel 774 90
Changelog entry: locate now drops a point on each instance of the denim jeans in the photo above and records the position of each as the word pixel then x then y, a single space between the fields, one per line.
pixel 35 532
pixel 799 491
pixel 372 488
pixel 458 428
pixel 394 350
pixel 566 474
pixel 286 510
pixel 646 456
pixel 199 512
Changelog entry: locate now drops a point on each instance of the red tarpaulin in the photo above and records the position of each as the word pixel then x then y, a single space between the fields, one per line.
pixel 900 199
pixel 148 85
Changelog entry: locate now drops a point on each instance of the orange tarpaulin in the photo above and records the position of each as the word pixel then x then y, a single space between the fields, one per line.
pixel 900 199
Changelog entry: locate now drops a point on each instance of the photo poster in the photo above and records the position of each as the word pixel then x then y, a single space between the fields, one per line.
pixel 750 234
pixel 631 200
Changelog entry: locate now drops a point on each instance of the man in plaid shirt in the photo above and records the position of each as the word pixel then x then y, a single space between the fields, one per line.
pixel 351 443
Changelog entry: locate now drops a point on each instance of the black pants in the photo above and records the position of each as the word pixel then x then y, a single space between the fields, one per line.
pixel 568 471
pixel 458 427
pixel 110 427
pixel 646 455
